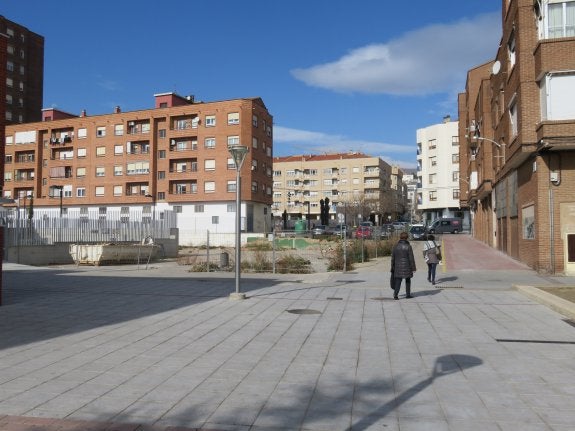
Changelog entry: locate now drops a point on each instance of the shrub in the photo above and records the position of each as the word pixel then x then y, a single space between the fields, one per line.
pixel 335 258
pixel 291 264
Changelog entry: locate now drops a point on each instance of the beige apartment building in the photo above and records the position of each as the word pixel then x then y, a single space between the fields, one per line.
pixel 173 157
pixel 359 188
pixel 517 129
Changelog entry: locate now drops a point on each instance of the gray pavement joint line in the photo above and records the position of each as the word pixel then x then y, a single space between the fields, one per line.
pixel 323 363
pixel 271 320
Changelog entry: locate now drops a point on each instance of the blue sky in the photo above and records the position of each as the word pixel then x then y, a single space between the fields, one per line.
pixel 336 75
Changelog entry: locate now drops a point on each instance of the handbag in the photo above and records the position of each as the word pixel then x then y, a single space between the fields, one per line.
pixel 392 281
pixel 439 253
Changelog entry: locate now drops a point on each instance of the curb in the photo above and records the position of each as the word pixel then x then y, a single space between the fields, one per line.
pixel 567 308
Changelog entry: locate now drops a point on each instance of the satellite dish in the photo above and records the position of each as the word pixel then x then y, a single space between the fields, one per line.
pixel 496 67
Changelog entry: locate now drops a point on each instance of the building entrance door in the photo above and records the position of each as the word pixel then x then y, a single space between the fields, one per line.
pixel 570 254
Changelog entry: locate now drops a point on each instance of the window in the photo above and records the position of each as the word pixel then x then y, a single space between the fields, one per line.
pixel 513 117
pixel 161 154
pixel 231 164
pixel 254 142
pixel 231 208
pixel 81 192
pixel 355 170
pixel 455 141
pixel 231 186
pixel 254 165
pixel 210 143
pixel 101 131
pixel 161 175
pixel 215 220
pixel 560 19
pixel 118 130
pixel 100 171
pixel 161 197
pixel 433 161
pixel 80 172
pixel 432 144
pixel 210 121
pixel 511 50
pixel 433 196
pixel 233 140
pixel 455 158
pixel 432 178
pixel 234 118
pixel 177 208
pixel 100 151
pixel 455 176
pixel 209 164
pixel 209 186
pixel 162 133
pixel 199 208
pixel 255 120
pixel 138 168
pixel 557 94
pixel 118 170
pixel 82 133
pixel 118 149
pixel 100 191
pixel 10 66
pixel 81 153
pixel 254 186
pixel 118 191
pixel 455 193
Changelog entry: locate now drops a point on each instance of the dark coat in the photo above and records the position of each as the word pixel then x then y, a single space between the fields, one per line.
pixel 402 260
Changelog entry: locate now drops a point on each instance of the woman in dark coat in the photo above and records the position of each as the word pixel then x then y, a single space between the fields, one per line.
pixel 402 265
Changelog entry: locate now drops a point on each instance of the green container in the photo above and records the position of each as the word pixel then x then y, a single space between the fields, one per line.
pixel 300 226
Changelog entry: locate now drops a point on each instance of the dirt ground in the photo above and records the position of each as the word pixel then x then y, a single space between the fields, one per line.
pixel 567 292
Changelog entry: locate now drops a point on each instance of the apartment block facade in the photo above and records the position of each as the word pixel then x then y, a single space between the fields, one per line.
pixel 24 80
pixel 173 157
pixel 358 186
pixel 518 129
pixel 438 189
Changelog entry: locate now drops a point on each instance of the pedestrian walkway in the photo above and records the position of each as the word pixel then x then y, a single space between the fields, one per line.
pixel 121 348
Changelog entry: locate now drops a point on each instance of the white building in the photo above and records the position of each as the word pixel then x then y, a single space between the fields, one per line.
pixel 438 171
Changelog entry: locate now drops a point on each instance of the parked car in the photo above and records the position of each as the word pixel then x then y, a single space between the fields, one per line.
pixel 318 230
pixel 417 232
pixel 397 225
pixel 340 230
pixel 446 225
pixel 363 232
pixel 386 231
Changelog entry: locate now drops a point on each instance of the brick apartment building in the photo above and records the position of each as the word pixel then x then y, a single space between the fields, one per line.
pixel 173 157
pixel 359 187
pixel 517 124
pixel 24 80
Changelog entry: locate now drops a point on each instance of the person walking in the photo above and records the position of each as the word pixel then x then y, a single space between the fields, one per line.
pixel 432 255
pixel 402 265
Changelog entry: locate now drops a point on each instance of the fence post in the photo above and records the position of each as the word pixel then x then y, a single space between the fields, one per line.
pixel 208 251
pixel 274 251
pixel 344 252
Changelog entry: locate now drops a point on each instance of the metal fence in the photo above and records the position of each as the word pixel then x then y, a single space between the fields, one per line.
pixel 45 228
pixel 286 252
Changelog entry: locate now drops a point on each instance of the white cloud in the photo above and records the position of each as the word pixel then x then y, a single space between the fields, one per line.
pixel 433 59
pixel 308 142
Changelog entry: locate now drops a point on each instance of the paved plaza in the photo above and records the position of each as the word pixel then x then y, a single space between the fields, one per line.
pixel 128 348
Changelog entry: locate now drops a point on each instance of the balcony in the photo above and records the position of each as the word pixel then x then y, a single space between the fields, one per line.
pixel 184 144
pixel 138 127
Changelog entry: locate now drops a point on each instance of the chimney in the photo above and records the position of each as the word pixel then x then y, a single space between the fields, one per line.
pixel 117 110
pixel 447 119
pixel 83 114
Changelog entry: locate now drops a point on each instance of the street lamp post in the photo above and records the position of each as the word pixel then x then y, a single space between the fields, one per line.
pixel 61 191
pixel 238 153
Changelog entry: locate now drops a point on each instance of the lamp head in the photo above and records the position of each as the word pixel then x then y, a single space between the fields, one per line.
pixel 238 153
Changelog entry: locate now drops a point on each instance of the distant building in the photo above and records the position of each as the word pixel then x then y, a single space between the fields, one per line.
pixel 438 172
pixel 172 157
pixel 358 187
pixel 517 129
pixel 24 80
pixel 410 182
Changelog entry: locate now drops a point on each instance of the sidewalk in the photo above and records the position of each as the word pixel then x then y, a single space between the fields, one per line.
pixel 166 348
